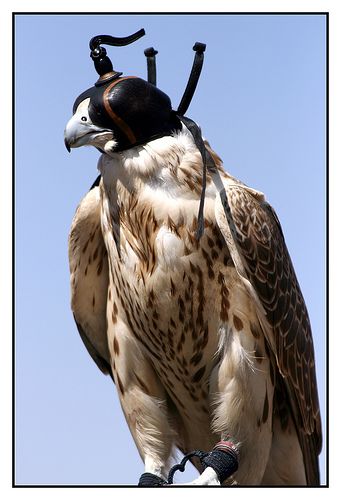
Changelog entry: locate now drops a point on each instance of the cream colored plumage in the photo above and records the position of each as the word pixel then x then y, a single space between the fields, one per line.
pixel 204 340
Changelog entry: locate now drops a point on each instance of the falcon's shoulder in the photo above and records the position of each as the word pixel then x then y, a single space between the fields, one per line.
pixel 256 242
pixel 89 277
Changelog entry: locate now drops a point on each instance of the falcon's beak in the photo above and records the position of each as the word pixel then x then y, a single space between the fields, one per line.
pixel 80 131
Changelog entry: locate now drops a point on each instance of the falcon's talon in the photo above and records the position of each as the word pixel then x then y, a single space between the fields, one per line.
pixel 208 478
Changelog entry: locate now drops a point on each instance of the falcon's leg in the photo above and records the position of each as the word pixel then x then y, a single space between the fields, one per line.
pixel 241 387
pixel 244 384
pixel 142 397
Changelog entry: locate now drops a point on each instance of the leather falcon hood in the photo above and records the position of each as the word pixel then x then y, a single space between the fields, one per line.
pixel 134 109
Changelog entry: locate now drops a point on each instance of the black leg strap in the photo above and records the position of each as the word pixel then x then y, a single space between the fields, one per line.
pixel 149 479
pixel 224 464
pixel 223 459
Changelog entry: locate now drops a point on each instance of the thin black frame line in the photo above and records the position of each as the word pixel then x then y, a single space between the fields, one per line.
pixel 218 13
pixel 111 486
pixel 13 251
pixel 327 253
pixel 14 14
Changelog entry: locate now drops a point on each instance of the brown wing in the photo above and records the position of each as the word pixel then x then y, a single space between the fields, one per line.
pixel 89 277
pixel 259 241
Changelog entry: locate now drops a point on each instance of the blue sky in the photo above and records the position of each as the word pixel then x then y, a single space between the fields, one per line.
pixel 261 104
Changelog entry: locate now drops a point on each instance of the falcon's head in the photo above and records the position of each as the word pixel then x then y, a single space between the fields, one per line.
pixel 120 113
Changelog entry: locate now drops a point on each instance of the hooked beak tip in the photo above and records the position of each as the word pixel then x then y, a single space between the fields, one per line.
pixel 67 145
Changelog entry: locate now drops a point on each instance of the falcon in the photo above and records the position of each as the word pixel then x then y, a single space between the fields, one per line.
pixel 184 292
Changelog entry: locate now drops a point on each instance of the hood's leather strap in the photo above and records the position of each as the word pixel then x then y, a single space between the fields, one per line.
pixel 199 49
pixel 207 163
pixel 150 54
